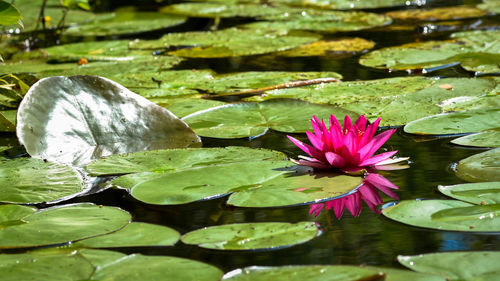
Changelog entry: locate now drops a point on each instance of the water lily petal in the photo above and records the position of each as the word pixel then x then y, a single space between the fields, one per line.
pixel 369 133
pixel 370 194
pixel 392 161
pixel 360 124
pixel 313 152
pixel 316 209
pixel 378 158
pixel 337 205
pixel 335 159
pixel 370 148
pixel 316 141
pixel 315 165
pixel 353 204
pixel 347 124
pixel 382 184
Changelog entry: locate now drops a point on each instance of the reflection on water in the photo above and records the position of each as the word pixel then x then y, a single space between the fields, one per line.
pixel 367 192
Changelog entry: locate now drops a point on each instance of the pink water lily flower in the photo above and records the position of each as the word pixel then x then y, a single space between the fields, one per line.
pixel 368 192
pixel 349 149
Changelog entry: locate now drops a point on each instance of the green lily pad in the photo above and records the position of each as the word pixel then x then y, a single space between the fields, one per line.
pixel 228 42
pixel 157 268
pixel 62 224
pixel 490 6
pixel 100 118
pixel 250 119
pixel 436 14
pixel 446 215
pixel 476 51
pixel 393 274
pixel 134 234
pixel 9 15
pixel 479 265
pixel 396 100
pixel 455 123
pixel 480 167
pixel 172 160
pixel 224 10
pixel 318 20
pixel 29 181
pixel 8 120
pixel 124 22
pixel 303 272
pixel 11 214
pixel 489 138
pixel 186 105
pixel 252 184
pixel 252 236
pixel 53 14
pixel 329 47
pixel 346 4
pixel 476 193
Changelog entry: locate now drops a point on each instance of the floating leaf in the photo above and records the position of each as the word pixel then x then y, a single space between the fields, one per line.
pixel 455 123
pixel 329 47
pixel 29 181
pixel 124 22
pixel 396 100
pixel 480 265
pixel 62 224
pixel 157 268
pixel 446 215
pixel 304 272
pixel 346 4
pixel 435 14
pixel 249 119
pixel 10 214
pixel 9 15
pixel 252 236
pixel 228 42
pixel 8 120
pixel 475 50
pixel 490 6
pixel 184 106
pixel 79 118
pixel 224 10
pixel 489 138
pixel 393 274
pixel 476 193
pixel 480 167
pixel 178 159
pixel 134 234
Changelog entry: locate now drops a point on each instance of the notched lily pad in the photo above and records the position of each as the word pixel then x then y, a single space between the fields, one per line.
pixel 62 224
pixel 488 138
pixel 252 236
pixel 80 118
pixel 446 215
pixel 480 167
pixel 30 181
pixel 476 193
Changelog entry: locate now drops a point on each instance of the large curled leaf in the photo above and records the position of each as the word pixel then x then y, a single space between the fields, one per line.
pixel 476 193
pixel 480 167
pixel 178 159
pixel 124 22
pixel 134 234
pixel 9 15
pixel 249 119
pixel 474 50
pixel 456 265
pixel 489 138
pixel 455 123
pixel 29 181
pixel 228 42
pixel 61 224
pixel 446 215
pixel 397 101
pixel 79 118
pixel 154 268
pixel 252 236
pixel 441 13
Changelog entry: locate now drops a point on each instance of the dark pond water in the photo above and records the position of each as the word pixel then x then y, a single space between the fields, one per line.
pixel 369 239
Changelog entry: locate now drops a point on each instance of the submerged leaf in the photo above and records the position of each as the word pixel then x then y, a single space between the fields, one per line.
pixel 80 118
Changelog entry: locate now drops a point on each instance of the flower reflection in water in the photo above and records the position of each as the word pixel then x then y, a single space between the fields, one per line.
pixel 368 192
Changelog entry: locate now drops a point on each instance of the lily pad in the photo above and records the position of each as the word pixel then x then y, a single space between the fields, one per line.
pixel 79 118
pixel 124 22
pixel 480 167
pixel 9 15
pixel 446 215
pixel 62 224
pixel 252 236
pixel 8 120
pixel 250 119
pixel 29 181
pixel 252 184
pixel 318 20
pixel 396 100
pixel 490 6
pixel 436 14
pixel 186 105
pixel 489 138
pixel 10 214
pixel 475 50
pixel 476 193
pixel 347 4
pixel 455 123
pixel 157 268
pixel 329 47
pixel 475 265
pixel 172 160
pixel 303 272
pixel 228 42
pixel 224 10
pixel 134 234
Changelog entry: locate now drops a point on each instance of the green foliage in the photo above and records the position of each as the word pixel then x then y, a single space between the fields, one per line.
pixel 476 193
pixel 9 15
pixel 480 167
